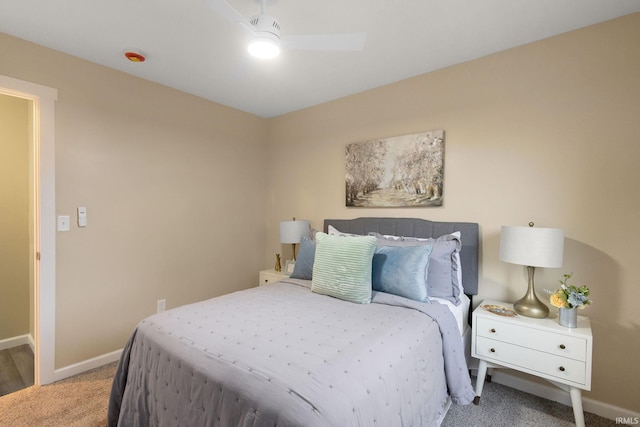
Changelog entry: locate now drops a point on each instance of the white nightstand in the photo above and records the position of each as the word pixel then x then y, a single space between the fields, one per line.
pixel 540 347
pixel 271 276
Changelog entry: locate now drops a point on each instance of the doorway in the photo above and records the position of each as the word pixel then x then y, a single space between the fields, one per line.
pixel 16 244
pixel 40 101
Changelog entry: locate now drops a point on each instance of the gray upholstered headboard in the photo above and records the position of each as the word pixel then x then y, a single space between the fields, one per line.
pixel 415 227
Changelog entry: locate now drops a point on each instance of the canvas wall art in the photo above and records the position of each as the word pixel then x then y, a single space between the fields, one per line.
pixel 401 171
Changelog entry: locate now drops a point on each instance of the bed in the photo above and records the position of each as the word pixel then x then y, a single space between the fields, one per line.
pixel 287 354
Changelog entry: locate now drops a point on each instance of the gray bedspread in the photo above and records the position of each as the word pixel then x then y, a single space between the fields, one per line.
pixel 280 355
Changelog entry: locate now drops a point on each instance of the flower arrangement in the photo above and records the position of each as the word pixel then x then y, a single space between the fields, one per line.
pixel 569 296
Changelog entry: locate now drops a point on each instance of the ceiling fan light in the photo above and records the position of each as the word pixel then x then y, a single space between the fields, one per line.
pixel 264 47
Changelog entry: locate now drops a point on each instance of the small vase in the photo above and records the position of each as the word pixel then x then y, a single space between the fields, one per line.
pixel 568 317
pixel 278 266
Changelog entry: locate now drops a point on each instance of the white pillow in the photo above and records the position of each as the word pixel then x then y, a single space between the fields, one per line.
pixel 332 231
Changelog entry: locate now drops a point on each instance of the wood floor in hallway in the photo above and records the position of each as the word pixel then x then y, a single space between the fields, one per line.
pixel 16 369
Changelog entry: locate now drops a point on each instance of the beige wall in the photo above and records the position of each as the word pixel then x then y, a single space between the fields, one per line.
pixel 175 192
pixel 546 132
pixel 14 217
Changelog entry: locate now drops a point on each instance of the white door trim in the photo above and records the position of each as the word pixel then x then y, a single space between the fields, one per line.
pixel 45 233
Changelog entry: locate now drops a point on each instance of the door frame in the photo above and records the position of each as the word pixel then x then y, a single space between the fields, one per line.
pixel 43 106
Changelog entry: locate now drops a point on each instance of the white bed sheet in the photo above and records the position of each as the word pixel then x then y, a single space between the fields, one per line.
pixel 460 311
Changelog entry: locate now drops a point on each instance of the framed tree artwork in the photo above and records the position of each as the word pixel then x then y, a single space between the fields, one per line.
pixel 401 171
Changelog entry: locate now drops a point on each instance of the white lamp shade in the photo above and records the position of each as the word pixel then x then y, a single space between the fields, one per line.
pixel 292 231
pixel 532 246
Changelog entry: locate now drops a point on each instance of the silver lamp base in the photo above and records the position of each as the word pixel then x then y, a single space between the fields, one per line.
pixel 529 305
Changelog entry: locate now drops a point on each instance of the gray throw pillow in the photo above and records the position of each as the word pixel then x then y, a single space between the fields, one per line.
pixel 304 263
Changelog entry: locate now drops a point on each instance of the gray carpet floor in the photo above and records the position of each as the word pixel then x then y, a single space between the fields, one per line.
pixel 505 406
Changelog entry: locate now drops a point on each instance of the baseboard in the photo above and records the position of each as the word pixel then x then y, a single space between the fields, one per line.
pixel 553 393
pixel 87 365
pixel 15 341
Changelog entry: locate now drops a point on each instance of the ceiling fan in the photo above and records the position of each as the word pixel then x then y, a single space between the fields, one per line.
pixel 266 40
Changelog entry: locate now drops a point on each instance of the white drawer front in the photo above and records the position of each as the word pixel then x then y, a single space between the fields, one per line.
pixel 536 362
pixel 266 278
pixel 547 341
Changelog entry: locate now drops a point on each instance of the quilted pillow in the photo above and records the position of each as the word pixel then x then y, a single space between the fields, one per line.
pixel 342 267
pixel 401 270
pixel 304 263
pixel 443 278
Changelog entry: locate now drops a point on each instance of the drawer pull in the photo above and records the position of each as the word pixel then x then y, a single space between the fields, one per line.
pixel 493 350
pixel 561 368
pixel 562 346
pixel 493 330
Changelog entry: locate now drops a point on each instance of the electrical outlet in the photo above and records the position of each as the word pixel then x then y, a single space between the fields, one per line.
pixel 161 305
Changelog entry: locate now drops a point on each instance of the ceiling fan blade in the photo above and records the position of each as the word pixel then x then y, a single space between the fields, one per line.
pixel 222 8
pixel 337 41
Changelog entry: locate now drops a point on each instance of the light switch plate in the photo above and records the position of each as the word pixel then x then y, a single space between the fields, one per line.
pixel 64 222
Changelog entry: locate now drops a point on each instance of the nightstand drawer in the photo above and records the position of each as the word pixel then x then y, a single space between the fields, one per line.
pixel 271 276
pixel 528 360
pixel 524 336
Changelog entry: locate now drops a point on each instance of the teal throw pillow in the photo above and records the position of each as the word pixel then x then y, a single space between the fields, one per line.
pixel 402 271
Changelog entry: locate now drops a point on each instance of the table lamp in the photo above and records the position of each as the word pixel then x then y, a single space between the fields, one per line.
pixel 292 232
pixel 532 247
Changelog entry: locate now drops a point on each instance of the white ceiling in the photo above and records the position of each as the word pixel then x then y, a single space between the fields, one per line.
pixel 192 49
